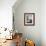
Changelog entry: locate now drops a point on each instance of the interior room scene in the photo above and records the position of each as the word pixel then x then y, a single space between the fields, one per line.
pixel 22 22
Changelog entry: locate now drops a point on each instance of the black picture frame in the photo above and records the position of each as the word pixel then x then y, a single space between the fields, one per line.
pixel 29 19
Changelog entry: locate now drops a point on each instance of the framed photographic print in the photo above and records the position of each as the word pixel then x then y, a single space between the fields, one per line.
pixel 29 19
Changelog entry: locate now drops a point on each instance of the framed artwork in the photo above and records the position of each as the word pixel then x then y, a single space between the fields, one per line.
pixel 29 19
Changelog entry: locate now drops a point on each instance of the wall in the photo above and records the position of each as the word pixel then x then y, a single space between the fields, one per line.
pixel 43 22
pixel 29 32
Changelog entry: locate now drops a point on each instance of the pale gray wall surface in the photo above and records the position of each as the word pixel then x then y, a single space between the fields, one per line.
pixel 29 32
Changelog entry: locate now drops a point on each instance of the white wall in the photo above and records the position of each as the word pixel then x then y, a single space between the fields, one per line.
pixel 43 22
pixel 6 13
pixel 30 32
